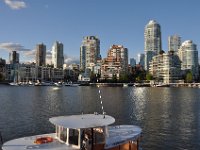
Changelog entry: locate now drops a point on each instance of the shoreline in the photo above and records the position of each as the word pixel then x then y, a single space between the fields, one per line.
pixel 131 84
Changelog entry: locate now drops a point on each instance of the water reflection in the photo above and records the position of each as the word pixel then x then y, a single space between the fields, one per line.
pixel 169 117
pixel 138 98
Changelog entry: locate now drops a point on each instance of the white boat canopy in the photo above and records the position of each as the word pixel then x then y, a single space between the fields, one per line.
pixel 82 121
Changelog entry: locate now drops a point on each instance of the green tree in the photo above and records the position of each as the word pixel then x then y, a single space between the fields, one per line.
pixel 189 77
pixel 1 77
pixel 114 78
pixel 93 77
pixel 123 77
pixel 149 77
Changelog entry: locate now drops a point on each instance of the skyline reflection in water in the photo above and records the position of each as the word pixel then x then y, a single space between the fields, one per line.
pixel 169 117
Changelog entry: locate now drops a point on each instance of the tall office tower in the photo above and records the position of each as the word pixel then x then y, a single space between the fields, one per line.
pixel 132 62
pixel 89 52
pixel 57 55
pixel 14 57
pixel 41 55
pixel 152 41
pixel 141 59
pixel 174 43
pixel 188 54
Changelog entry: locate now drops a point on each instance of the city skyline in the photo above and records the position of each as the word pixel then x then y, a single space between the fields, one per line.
pixel 28 23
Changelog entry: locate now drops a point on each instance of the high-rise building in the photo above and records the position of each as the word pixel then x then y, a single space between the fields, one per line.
pixel 89 52
pixel 152 41
pixel 174 43
pixel 165 67
pixel 188 54
pixel 57 55
pixel 14 57
pixel 41 55
pixel 141 59
pixel 116 62
pixel 132 62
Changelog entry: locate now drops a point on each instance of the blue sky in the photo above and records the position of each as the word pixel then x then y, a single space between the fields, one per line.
pixel 25 23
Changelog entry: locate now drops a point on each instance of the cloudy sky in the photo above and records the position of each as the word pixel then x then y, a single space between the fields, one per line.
pixel 25 23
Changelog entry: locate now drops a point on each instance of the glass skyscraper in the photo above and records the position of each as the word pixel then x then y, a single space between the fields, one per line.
pixel 14 57
pixel 174 43
pixel 41 55
pixel 141 59
pixel 57 55
pixel 152 41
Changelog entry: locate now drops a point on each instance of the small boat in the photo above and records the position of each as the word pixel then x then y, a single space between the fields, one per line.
pixel 85 132
pixel 58 84
pixel 72 84
pixel 46 83
pixel 141 85
pixel 162 85
pixel 56 88
pixel 125 84
pixel 13 84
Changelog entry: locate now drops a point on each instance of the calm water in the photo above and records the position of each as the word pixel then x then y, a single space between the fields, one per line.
pixel 169 117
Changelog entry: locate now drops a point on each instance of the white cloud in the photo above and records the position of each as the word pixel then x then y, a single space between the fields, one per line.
pixel 12 47
pixel 71 60
pixel 67 59
pixel 30 53
pixel 15 4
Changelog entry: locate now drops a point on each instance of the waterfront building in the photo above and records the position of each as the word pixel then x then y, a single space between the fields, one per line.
pixel 12 69
pixel 132 62
pixel 141 58
pixel 89 52
pixel 27 72
pixel 12 72
pixel 57 74
pixel 9 72
pixel 23 73
pixel 166 67
pixel 49 74
pixel 2 69
pixel 71 72
pixel 174 43
pixel 85 76
pixel 14 57
pixel 189 56
pixel 116 62
pixel 57 55
pixel 20 72
pixel 152 41
pixel 41 55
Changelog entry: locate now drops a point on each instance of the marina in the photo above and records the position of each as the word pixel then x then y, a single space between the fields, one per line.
pixel 105 84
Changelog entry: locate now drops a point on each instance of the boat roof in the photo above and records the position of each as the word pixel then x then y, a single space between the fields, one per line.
pixel 82 121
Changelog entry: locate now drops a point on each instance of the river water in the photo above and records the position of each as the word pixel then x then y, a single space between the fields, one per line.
pixel 169 117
